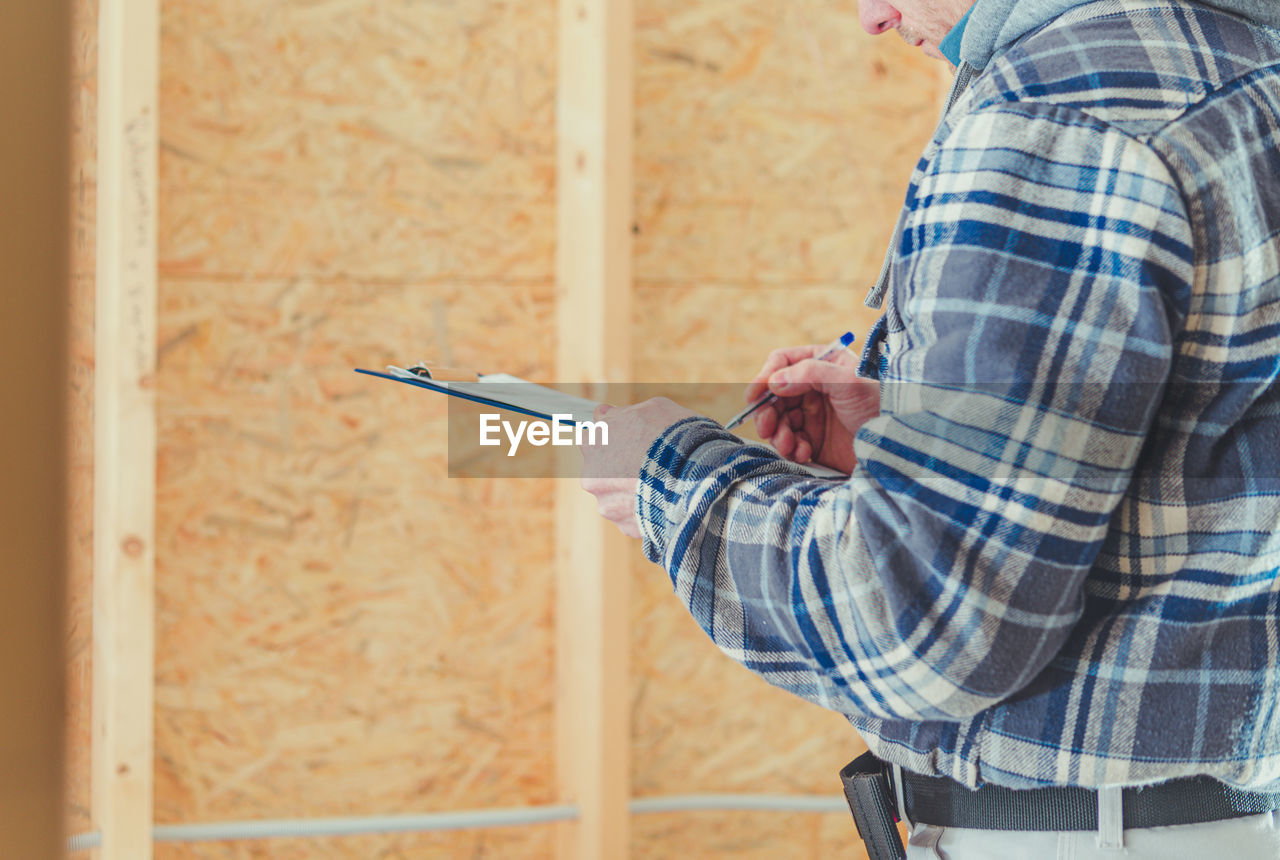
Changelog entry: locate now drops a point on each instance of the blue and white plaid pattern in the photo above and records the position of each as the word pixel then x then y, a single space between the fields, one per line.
pixel 1057 559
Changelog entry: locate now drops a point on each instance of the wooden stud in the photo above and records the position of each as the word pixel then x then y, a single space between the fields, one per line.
pixel 593 298
pixel 125 428
pixel 35 88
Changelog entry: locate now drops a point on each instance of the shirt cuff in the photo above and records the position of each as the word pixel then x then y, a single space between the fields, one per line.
pixel 665 464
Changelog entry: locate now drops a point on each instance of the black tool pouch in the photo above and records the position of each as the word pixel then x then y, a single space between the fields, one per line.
pixel 866 787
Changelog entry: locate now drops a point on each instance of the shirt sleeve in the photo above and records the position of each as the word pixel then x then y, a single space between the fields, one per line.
pixel 1038 285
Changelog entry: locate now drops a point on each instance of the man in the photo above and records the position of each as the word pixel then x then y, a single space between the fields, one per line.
pixel 1051 577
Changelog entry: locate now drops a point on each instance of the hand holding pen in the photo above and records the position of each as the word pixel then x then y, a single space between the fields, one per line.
pixel 837 345
pixel 819 403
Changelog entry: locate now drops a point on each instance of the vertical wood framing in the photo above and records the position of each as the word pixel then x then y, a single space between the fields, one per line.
pixel 125 429
pixel 593 298
pixel 35 89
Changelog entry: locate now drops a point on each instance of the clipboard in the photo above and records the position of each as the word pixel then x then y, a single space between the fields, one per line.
pixel 513 394
pixel 498 390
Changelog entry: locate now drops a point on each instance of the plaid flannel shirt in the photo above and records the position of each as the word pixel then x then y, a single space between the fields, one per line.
pixel 1056 560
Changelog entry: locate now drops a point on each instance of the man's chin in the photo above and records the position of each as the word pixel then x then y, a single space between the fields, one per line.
pixel 931 50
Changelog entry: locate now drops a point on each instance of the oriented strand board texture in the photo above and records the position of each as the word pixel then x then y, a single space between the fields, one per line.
pixel 746 836
pixel 536 842
pixel 84 119
pixel 344 630
pixel 774 143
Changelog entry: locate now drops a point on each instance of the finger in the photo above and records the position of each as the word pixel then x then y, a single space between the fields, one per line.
pixel 755 389
pixel 804 449
pixel 600 411
pixel 812 405
pixel 784 440
pixel 811 374
pixel 789 382
pixel 795 419
pixel 781 410
pixel 766 421
pixel 778 359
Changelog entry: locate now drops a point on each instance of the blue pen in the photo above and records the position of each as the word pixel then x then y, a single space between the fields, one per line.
pixel 834 347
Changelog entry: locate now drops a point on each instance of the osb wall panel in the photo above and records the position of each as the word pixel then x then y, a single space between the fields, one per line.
pixel 347 181
pixel 399 140
pixel 344 630
pixel 79 650
pixel 532 842
pixel 746 836
pixel 774 143
pixel 773 140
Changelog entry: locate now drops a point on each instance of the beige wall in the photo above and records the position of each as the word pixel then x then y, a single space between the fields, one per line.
pixel 774 142
pixel 343 630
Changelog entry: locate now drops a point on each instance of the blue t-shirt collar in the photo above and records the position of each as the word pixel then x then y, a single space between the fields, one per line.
pixel 950 44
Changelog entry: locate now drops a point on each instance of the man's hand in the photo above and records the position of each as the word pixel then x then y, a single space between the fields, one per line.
pixel 611 472
pixel 820 405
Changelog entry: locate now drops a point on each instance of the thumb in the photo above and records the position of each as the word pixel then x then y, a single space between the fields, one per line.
pixel 812 375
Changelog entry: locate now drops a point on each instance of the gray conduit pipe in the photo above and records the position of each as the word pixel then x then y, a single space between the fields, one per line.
pixel 482 818
pixel 309 827
pixel 729 802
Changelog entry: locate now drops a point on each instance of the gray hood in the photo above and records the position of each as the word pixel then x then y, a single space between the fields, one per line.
pixel 996 24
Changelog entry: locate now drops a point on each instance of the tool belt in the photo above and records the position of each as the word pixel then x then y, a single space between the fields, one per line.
pixel 872 794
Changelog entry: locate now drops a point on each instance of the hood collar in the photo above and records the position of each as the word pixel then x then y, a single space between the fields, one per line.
pixel 994 25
